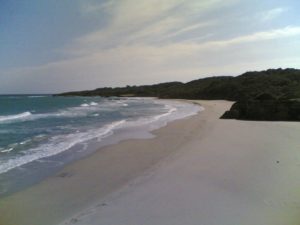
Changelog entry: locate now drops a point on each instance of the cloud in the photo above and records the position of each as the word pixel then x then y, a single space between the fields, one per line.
pixel 144 42
pixel 146 64
pixel 285 32
pixel 88 7
pixel 190 28
pixel 272 14
pixel 146 22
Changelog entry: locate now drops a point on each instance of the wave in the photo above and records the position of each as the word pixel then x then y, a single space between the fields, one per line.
pixel 171 110
pixel 93 103
pixel 176 110
pixel 15 117
pixel 152 119
pixel 82 110
pixel 89 104
pixel 6 150
pixel 58 144
pixel 76 111
pixel 37 96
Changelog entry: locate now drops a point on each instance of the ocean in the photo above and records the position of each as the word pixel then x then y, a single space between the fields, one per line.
pixel 39 134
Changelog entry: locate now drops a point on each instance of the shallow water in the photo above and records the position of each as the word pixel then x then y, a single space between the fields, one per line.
pixel 40 134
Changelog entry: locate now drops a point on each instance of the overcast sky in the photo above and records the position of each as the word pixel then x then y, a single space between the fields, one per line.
pixel 49 46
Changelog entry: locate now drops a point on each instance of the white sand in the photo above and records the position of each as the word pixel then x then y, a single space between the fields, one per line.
pixel 229 173
pixel 197 171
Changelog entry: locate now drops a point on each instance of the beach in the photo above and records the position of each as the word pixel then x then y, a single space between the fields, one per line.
pixel 197 170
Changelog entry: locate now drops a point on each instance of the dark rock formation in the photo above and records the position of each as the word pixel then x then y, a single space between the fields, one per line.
pixel 264 107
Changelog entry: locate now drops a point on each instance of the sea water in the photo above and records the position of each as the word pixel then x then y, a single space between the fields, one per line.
pixel 39 134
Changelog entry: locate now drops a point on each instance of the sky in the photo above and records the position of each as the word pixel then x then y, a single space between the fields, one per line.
pixel 65 45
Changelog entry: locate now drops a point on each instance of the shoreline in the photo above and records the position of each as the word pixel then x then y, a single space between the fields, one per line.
pixel 81 170
pixel 28 173
pixel 196 170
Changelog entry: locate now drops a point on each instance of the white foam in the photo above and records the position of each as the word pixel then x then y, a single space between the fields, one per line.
pixel 15 117
pixel 82 110
pixel 56 145
pixel 7 150
pixel 176 110
pixel 25 142
pixel 60 143
pixel 89 104
pixel 93 103
pixel 36 96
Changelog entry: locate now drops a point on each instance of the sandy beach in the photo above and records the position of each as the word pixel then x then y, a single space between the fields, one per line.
pixel 198 170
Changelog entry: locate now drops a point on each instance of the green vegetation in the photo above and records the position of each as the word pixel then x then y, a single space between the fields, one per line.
pixel 128 91
pixel 264 95
pixel 281 83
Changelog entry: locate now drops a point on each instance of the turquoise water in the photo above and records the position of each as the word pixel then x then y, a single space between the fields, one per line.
pixel 35 128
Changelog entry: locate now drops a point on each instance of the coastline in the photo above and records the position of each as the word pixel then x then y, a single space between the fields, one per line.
pixel 20 172
pixel 196 170
pixel 117 164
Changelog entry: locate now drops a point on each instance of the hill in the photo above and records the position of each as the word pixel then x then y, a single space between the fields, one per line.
pixel 265 95
pixel 280 83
